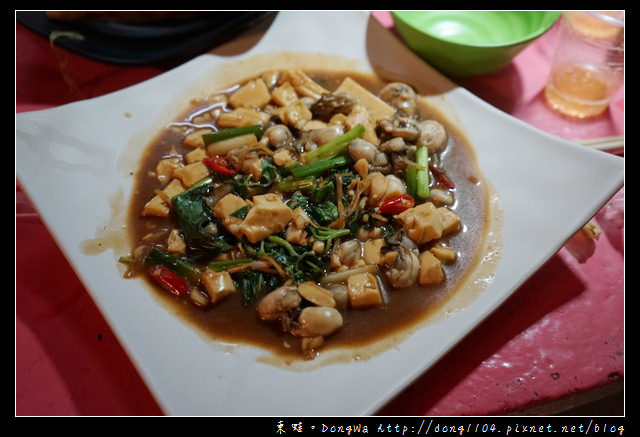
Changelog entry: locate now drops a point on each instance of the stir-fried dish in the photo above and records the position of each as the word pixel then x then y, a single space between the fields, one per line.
pixel 302 205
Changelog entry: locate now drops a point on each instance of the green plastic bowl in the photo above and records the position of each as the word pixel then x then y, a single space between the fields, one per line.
pixel 471 43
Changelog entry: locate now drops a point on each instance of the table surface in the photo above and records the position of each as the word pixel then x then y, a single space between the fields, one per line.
pixel 558 339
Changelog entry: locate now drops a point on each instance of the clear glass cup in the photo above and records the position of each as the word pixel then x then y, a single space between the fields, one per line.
pixel 588 64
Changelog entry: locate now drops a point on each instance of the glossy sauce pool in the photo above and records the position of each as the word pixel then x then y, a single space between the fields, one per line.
pixel 230 321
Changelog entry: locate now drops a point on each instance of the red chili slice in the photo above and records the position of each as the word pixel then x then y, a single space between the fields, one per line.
pixel 168 280
pixel 397 204
pixel 441 176
pixel 218 164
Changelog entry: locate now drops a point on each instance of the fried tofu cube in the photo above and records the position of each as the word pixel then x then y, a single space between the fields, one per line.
pixel 296 231
pixel 254 167
pixel 430 269
pixel 158 205
pixel 284 95
pixel 423 223
pixel 371 251
pixel 282 157
pixel 165 168
pixel 450 220
pixel 191 173
pixel 360 115
pixel 253 94
pixel 240 117
pixel 443 253
pixel 303 84
pixel 268 216
pixel 389 258
pixel 195 155
pixel 217 284
pixel 223 210
pixel 174 188
pixel 175 243
pixel 270 77
pixel 363 290
pixel 194 139
pixel 377 107
pixel 296 114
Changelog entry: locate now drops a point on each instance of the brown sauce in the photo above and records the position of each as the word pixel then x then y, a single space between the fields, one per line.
pixel 232 321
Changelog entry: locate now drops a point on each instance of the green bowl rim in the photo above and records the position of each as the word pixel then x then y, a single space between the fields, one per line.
pixel 395 16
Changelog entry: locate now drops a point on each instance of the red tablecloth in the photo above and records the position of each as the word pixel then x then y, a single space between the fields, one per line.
pixel 561 334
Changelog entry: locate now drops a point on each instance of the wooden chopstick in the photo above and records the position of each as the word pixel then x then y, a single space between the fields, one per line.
pixel 605 143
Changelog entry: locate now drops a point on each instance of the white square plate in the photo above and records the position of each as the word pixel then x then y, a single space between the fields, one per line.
pixel 74 163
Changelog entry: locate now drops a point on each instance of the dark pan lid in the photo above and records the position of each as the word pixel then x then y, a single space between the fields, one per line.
pixel 160 41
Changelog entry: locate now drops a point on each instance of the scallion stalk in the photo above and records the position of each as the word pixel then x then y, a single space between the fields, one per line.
pixel 422 173
pixel 336 146
pixel 411 180
pixel 219 266
pixel 291 184
pixel 318 167
pixel 212 137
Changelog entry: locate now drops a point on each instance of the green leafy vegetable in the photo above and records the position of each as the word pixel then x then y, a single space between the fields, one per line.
pixel 251 283
pixel 355 222
pixel 284 243
pixel 323 233
pixel 240 212
pixel 298 200
pixel 184 267
pixel 240 185
pixel 327 235
pixel 269 173
pixel 388 230
pixel 323 191
pixel 324 213
pixel 199 228
pixel 299 262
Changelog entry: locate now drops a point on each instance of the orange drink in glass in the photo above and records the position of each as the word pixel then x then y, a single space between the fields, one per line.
pixel 588 65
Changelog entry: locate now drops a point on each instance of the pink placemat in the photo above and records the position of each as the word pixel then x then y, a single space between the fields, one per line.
pixel 561 333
